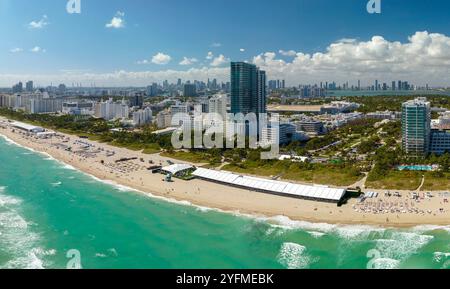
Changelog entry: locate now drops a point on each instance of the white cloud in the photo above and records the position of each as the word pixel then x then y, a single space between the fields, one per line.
pixel 39 24
pixel 161 58
pixel 220 60
pixel 16 50
pixel 216 44
pixel 188 61
pixel 37 49
pixel 210 55
pixel 347 40
pixel 242 50
pixel 424 58
pixel 291 53
pixel 144 61
pixel 117 21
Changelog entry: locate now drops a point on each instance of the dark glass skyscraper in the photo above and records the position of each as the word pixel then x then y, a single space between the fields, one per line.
pixel 248 89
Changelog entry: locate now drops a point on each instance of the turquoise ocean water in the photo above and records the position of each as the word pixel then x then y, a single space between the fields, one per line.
pixel 48 209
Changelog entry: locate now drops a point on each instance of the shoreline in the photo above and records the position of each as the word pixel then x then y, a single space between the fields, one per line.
pixel 210 196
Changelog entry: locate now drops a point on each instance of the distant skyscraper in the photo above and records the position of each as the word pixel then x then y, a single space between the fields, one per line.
pixel 17 88
pixel 376 84
pixel 190 90
pixel 152 90
pixel 29 86
pixel 416 126
pixel 137 100
pixel 393 85
pixel 62 88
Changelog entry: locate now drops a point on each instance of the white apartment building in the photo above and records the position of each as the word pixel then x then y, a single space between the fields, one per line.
pixel 142 117
pixel 110 110
pixel 164 119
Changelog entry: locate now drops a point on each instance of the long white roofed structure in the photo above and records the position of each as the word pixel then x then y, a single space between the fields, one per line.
pixel 176 169
pixel 27 127
pixel 320 193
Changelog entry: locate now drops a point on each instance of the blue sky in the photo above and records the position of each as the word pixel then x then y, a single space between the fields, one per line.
pixel 83 44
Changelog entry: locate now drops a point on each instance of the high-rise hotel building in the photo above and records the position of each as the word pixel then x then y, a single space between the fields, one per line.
pixel 248 89
pixel 416 126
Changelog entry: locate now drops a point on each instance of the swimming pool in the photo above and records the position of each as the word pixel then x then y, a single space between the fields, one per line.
pixel 416 168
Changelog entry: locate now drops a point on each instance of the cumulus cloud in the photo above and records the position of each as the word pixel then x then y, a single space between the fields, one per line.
pixel 39 24
pixel 216 44
pixel 424 58
pixel 161 58
pixel 291 53
pixel 347 40
pixel 16 50
pixel 117 21
pixel 210 55
pixel 37 49
pixel 188 61
pixel 144 61
pixel 242 50
pixel 220 60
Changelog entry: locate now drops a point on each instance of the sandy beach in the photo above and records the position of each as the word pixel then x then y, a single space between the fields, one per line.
pixel 99 160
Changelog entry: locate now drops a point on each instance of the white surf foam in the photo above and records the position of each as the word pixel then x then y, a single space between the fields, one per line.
pixel 294 256
pixel 19 241
pixel 316 234
pixel 6 200
pixel 385 264
pixel 430 228
pixel 440 256
pixel 349 232
pixel 401 245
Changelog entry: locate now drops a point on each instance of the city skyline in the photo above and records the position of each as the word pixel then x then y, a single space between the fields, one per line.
pixel 125 47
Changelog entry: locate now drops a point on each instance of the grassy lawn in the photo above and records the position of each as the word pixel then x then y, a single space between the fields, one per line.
pixel 323 175
pixel 396 180
pixel 435 183
pixel 192 157
pixel 151 149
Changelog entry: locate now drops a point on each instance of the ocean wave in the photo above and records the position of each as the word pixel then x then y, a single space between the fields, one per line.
pixel 6 200
pixel 348 232
pixel 57 184
pixel 430 228
pixel 385 264
pixel 113 252
pixel 100 255
pixel 401 245
pixel 19 241
pixel 294 256
pixel 12 220
pixel 440 256
pixel 316 234
pixel 8 140
pixel 33 259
